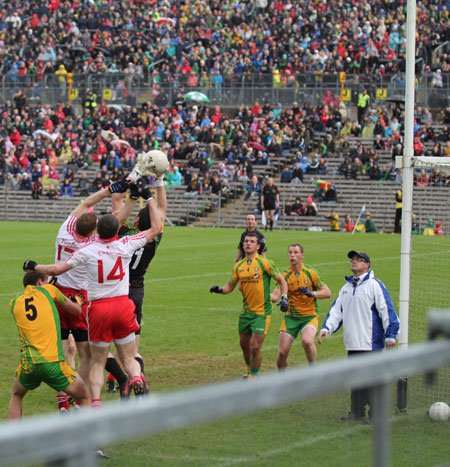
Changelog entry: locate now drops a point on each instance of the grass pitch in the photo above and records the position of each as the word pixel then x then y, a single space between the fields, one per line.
pixel 189 337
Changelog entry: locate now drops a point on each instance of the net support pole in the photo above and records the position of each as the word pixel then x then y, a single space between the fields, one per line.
pixel 407 187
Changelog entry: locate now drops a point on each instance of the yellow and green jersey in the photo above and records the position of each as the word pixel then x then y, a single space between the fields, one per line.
pixel 254 276
pixel 299 303
pixel 334 221
pixel 37 319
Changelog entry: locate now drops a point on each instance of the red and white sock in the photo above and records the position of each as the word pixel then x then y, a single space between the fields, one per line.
pixel 136 379
pixel 62 401
pixel 96 404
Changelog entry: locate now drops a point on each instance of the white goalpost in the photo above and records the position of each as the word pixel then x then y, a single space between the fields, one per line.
pixel 421 287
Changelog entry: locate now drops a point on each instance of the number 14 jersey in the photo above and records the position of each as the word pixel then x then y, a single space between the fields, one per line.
pixel 106 262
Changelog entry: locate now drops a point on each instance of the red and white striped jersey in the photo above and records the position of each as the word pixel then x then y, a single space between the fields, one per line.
pixel 106 262
pixel 67 242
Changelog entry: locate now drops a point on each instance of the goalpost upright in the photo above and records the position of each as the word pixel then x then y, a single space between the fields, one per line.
pixel 407 187
pixel 424 276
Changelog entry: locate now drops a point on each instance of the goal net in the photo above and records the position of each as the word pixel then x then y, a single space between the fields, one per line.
pixel 430 266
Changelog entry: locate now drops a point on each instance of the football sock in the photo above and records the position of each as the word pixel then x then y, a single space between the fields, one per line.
pixel 247 365
pixel 110 377
pixel 96 404
pixel 113 367
pixel 141 363
pixel 62 401
pixel 254 371
pixel 136 379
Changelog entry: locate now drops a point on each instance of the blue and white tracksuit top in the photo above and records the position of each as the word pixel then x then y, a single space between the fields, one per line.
pixel 367 313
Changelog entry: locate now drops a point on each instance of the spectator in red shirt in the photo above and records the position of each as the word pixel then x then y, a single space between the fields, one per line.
pixel 15 137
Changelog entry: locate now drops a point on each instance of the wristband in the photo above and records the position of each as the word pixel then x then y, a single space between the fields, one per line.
pixel 283 297
pixel 314 294
pixel 159 182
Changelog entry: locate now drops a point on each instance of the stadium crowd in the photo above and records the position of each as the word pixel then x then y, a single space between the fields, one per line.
pixel 274 42
pixel 181 42
pixel 47 145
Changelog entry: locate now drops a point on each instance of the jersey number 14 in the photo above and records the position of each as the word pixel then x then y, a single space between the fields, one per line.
pixel 116 272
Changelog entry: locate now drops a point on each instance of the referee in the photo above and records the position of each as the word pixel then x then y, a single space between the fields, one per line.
pixel 251 228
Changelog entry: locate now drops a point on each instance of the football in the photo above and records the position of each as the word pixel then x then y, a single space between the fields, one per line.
pixel 439 412
pixel 157 163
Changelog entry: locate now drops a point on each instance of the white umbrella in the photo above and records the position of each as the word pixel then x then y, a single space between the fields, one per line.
pixel 45 134
pixel 196 96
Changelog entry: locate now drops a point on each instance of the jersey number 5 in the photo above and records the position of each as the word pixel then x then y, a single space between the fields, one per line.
pixel 116 272
pixel 30 309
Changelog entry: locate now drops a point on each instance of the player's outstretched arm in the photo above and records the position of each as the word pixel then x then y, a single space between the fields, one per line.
pixel 155 219
pixel 92 200
pixel 126 209
pixel 227 288
pixel 47 269
pixel 161 197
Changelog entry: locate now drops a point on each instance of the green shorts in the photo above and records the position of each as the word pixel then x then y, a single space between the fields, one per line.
pixel 292 325
pixel 58 375
pixel 251 323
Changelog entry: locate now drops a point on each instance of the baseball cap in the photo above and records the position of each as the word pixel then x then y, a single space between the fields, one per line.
pixel 361 254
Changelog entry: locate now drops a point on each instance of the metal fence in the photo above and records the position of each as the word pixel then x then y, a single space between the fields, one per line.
pixel 52 439
pixel 132 89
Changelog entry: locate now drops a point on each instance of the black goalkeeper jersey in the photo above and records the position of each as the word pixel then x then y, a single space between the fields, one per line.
pixel 141 258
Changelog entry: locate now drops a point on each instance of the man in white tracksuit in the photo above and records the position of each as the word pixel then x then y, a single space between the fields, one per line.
pixel 365 308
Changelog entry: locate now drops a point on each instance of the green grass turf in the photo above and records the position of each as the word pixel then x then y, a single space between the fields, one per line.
pixel 189 337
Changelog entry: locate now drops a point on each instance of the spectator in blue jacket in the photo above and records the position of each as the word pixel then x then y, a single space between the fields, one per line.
pixel 66 188
pixel 364 308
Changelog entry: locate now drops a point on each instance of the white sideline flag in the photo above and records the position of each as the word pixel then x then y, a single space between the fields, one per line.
pixel 361 215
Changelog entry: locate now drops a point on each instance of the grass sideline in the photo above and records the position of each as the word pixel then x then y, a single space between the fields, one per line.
pixel 189 337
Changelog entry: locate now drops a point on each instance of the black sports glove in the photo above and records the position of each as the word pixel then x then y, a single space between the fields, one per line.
pixel 306 291
pixel 283 304
pixel 119 187
pixel 29 265
pixel 134 191
pixel 215 289
pixel 146 194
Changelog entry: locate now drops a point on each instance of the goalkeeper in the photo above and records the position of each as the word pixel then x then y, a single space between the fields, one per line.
pixel 305 287
pixel 139 264
pixel 254 273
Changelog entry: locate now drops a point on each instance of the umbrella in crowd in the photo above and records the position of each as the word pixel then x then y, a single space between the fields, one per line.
pixel 120 142
pixel 196 96
pixel 165 20
pixel 78 49
pixel 45 134
pixel 257 146
pixel 323 184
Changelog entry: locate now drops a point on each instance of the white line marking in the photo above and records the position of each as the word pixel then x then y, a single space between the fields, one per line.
pixel 285 449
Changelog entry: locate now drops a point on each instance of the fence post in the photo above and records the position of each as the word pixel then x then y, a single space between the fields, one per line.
pixel 379 396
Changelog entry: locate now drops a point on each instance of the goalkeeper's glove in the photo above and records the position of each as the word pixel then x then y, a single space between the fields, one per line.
pixel 138 169
pixel 146 194
pixel 29 265
pixel 306 291
pixel 119 187
pixel 139 191
pixel 134 191
pixel 215 289
pixel 283 304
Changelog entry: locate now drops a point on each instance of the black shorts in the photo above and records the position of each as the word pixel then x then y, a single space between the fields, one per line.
pixel 137 295
pixel 269 204
pixel 80 335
